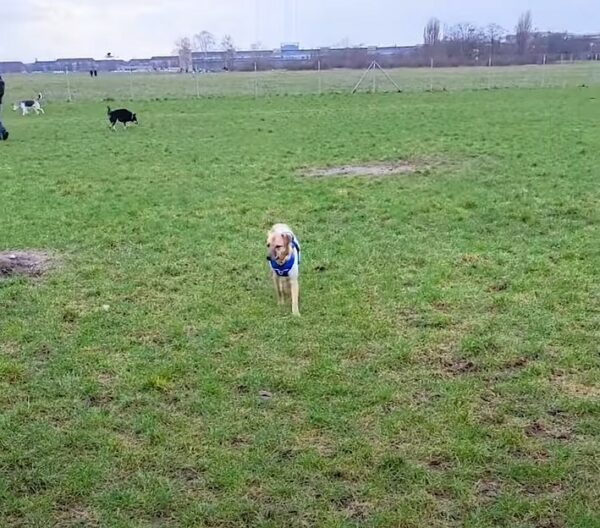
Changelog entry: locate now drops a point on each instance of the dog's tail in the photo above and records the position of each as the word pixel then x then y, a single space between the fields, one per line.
pixel 107 110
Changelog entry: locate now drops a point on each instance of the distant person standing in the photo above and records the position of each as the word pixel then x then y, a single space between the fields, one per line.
pixel 3 131
pixel 1 91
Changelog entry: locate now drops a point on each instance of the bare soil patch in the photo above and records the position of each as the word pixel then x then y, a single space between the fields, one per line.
pixel 488 489
pixel 28 263
pixel 460 366
pixel 365 169
pixel 575 389
pixel 538 429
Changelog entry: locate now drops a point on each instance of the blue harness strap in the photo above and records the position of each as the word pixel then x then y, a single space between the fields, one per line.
pixel 283 270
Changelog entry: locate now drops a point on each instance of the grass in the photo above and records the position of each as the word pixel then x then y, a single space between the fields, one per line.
pixel 141 86
pixel 444 371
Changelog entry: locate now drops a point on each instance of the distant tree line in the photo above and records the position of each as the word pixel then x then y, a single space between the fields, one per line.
pixel 462 44
pixel 468 44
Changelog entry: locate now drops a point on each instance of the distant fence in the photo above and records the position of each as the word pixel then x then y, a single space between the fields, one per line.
pixel 148 86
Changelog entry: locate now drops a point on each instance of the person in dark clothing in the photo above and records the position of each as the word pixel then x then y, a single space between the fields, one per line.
pixel 3 131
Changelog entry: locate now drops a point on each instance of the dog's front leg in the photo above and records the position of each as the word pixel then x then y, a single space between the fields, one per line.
pixel 295 289
pixel 278 288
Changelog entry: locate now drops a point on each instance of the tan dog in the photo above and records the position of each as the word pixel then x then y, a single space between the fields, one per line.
pixel 283 254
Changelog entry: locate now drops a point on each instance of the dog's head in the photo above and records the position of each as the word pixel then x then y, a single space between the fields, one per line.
pixel 278 246
pixel 134 119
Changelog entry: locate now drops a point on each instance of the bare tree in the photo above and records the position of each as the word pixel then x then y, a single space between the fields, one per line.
pixel 227 43
pixel 183 48
pixel 432 33
pixel 228 46
pixel 494 34
pixel 342 44
pixel 204 41
pixel 523 32
pixel 464 41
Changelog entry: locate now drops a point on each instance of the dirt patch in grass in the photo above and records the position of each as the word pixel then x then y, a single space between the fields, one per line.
pixel 77 515
pixel 575 389
pixel 27 263
pixel 456 367
pixel 553 431
pixel 439 463
pixel 364 169
pixel 353 509
pixel 488 489
pixel 189 476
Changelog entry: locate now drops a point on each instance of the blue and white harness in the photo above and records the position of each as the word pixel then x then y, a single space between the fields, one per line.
pixel 283 270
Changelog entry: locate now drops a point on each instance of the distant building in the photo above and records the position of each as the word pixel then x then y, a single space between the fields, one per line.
pixel 292 51
pixel 12 67
pixel 139 65
pixel 43 66
pixel 75 65
pixel 110 65
pixel 165 62
pixel 395 51
pixel 208 60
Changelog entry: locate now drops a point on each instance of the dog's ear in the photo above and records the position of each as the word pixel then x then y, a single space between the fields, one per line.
pixel 288 238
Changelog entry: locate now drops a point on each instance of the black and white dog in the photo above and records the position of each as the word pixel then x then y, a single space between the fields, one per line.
pixel 121 115
pixel 3 131
pixel 29 104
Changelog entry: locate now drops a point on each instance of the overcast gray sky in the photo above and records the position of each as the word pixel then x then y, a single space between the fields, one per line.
pixel 47 29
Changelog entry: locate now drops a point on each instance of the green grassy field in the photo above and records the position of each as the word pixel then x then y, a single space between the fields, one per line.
pixel 141 86
pixel 445 368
